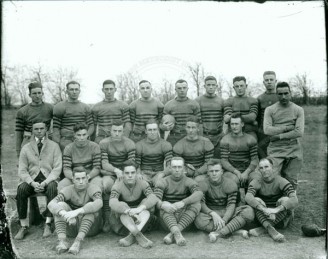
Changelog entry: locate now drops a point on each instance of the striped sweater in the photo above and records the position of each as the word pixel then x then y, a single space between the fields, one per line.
pixel 151 155
pixel 211 109
pixel 238 152
pixel 67 114
pixel 220 195
pixel 181 110
pixel 105 112
pixel 246 106
pixel 143 110
pixel 114 153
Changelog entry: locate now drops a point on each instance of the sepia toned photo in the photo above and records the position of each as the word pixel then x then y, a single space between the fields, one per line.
pixel 163 129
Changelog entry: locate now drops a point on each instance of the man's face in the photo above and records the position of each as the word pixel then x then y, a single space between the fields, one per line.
pixel 109 91
pixel 152 131
pixel 129 175
pixel 80 180
pixel 81 137
pixel 73 91
pixel 269 82
pixel 181 89
pixel 236 125
pixel 284 95
pixel 211 86
pixel 145 90
pixel 192 129
pixel 39 129
pixel 266 170
pixel 240 88
pixel 36 95
pixel 215 172
pixel 116 132
pixel 178 169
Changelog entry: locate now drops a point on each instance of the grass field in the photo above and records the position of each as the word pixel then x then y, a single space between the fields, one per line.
pixel 312 194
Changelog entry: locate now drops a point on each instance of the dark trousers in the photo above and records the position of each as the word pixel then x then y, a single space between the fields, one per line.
pixel 25 190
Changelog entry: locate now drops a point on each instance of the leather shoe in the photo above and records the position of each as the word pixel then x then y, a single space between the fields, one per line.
pixel 21 233
pixel 47 230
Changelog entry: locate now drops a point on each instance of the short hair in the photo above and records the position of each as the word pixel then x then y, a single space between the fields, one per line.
pixel 129 163
pixel 237 115
pixel 144 81
pixel 117 122
pixel 213 161
pixel 34 85
pixel 72 83
pixel 151 121
pixel 180 81
pixel 179 158
pixel 80 126
pixel 41 121
pixel 283 84
pixel 108 82
pixel 208 78
pixel 238 78
pixel 193 118
pixel 78 169
pixel 268 159
pixel 269 73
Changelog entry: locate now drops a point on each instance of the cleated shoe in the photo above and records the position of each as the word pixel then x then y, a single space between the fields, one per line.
pixel 62 246
pixel 179 239
pixel 21 233
pixel 75 248
pixel 143 241
pixel 127 241
pixel 168 239
pixel 47 230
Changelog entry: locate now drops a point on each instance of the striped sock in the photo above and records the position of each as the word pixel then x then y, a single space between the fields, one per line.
pixel 170 220
pixel 280 216
pixel 233 225
pixel 262 218
pixel 186 219
pixel 106 207
pixel 60 226
pixel 84 228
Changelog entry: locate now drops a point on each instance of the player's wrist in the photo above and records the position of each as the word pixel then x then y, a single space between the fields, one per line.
pixel 127 211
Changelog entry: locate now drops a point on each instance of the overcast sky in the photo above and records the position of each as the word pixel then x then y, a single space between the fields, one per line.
pixel 157 39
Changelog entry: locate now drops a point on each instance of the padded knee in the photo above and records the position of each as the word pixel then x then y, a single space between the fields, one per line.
pixel 195 208
pixel 204 222
pixel 200 178
pixel 107 183
pixel 232 177
pixel 247 214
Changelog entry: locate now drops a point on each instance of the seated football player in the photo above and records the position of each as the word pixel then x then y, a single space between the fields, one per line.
pixel 271 196
pixel 219 214
pixel 153 154
pixel 131 200
pixel 179 202
pixel 76 210
pixel 196 150
pixel 114 151
pixel 82 152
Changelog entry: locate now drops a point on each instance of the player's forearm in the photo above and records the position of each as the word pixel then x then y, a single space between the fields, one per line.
pixel 127 129
pixel 56 135
pixel 118 206
pixel 204 208
pixel 150 201
pixel 107 166
pixel 193 198
pixel 230 210
pixel 251 201
pixel 91 129
pixel 227 166
pixel 249 118
pixel 93 206
pixel 297 132
pixel 68 173
pixel 19 140
pixel 94 172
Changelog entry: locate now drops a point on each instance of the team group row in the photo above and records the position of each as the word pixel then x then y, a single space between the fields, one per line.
pixel 193 128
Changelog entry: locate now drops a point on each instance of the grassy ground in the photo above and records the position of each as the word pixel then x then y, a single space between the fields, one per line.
pixel 312 209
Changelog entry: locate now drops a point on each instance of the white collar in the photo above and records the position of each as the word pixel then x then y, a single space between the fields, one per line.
pixel 37 140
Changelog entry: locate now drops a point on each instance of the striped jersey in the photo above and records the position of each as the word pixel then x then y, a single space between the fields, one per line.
pixel 105 112
pixel 244 105
pixel 67 114
pixel 132 196
pixel 271 192
pixel 143 110
pixel 31 113
pixel 211 108
pixel 181 110
pixel 265 100
pixel 238 152
pixel 151 155
pixel 116 152
pixel 171 190
pixel 194 152
pixel 220 195
pixel 88 156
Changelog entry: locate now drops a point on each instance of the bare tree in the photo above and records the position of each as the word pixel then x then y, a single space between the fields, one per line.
pixel 127 83
pixel 302 86
pixel 197 75
pixel 56 82
pixel 6 93
pixel 255 89
pixel 166 92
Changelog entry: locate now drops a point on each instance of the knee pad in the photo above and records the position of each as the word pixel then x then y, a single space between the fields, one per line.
pixel 248 214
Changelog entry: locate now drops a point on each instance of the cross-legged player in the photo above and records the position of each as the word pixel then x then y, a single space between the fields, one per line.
pixel 77 211
pixel 179 202
pixel 271 196
pixel 219 214
pixel 130 200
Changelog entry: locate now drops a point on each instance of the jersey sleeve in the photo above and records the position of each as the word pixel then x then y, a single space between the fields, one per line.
pixel 88 115
pixel 138 153
pixel 58 111
pixel 96 202
pixel 132 112
pixel 224 150
pixel 196 193
pixel 160 188
pixel 151 199
pixel 125 112
pixel 114 203
pixel 227 107
pixel 252 190
pixel 253 152
pixel 20 121
pixel 96 156
pixel 167 151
